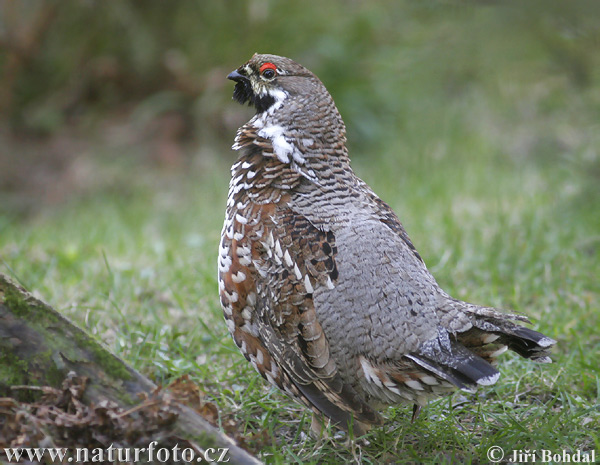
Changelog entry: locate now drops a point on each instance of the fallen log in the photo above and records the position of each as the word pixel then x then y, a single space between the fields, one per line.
pixel 40 347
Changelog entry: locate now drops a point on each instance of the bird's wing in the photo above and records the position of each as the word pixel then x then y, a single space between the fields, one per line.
pixel 271 262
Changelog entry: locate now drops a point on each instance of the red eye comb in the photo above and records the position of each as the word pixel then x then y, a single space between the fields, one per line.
pixel 267 66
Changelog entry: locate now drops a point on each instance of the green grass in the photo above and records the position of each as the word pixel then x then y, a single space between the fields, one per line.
pixel 139 272
pixel 492 165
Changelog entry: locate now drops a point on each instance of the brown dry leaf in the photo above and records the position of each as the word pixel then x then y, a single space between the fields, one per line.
pixel 60 419
pixel 187 392
pixel 209 412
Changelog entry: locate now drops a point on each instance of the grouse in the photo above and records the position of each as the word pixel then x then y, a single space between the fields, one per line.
pixel 321 288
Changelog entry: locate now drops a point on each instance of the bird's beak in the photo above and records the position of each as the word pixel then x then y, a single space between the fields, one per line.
pixel 236 76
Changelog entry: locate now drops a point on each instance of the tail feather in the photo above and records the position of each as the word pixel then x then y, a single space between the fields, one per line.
pixel 455 363
pixel 506 328
pixel 465 377
pixel 528 343
pixel 467 359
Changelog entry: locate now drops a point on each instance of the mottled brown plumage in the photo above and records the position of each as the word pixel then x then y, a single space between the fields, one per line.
pixel 322 290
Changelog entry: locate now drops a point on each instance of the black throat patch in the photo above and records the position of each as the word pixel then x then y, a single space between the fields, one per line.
pixel 243 93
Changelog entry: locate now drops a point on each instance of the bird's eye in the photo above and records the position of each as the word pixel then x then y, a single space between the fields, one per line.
pixel 268 73
pixel 268 70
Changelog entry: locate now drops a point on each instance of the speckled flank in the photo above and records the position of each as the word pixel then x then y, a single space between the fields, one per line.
pixel 321 288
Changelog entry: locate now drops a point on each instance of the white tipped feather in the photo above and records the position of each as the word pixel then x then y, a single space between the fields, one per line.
pixel 488 380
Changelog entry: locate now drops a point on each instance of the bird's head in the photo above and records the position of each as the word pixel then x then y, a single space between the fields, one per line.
pixel 294 111
pixel 265 81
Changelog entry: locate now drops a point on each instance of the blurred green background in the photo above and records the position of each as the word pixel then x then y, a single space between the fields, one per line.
pixel 477 121
pixel 86 83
